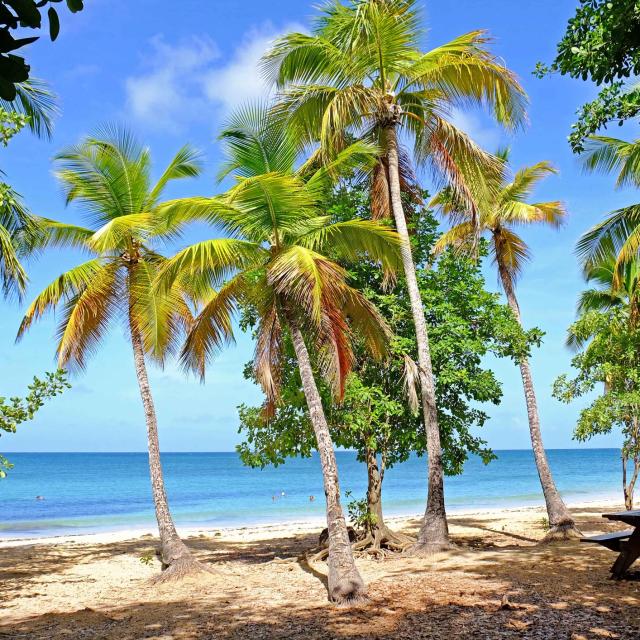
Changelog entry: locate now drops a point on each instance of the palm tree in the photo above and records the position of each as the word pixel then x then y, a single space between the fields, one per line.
pixel 498 215
pixel 110 176
pixel 620 230
pixel 615 286
pixel 276 262
pixel 19 229
pixel 361 73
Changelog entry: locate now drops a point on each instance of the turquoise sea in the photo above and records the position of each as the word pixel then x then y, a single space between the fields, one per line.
pixel 89 492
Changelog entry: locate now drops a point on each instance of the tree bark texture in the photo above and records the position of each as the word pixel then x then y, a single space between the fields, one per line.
pixel 434 531
pixel 344 581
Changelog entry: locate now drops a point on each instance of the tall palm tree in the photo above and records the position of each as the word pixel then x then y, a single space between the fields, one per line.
pixel 361 73
pixel 276 262
pixel 620 230
pixel 109 175
pixel 498 215
pixel 19 229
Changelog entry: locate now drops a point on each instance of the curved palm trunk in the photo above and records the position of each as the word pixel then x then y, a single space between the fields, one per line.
pixel 176 558
pixel 344 581
pixel 560 521
pixel 434 532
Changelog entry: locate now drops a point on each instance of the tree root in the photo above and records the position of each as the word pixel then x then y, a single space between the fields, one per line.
pixel 561 532
pixel 185 566
pixel 380 545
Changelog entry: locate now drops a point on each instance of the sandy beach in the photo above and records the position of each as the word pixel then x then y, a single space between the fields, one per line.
pixel 97 586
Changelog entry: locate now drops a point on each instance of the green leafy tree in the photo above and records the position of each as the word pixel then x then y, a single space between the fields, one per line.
pixel 109 176
pixel 498 216
pixel 466 323
pixel 278 260
pixel 608 359
pixel 20 14
pixel 361 73
pixel 601 44
pixel 14 411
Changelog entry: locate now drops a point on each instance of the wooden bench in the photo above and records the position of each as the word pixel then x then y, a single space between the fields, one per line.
pixel 610 540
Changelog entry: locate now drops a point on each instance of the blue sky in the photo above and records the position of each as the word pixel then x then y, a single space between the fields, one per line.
pixel 172 71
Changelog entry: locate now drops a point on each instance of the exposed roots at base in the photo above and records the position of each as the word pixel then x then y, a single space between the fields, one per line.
pixel 184 567
pixel 383 542
pixel 561 533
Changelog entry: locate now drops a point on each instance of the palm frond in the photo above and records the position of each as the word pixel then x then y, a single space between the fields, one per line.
pixel 67 286
pixel 463 70
pixel 35 100
pixel 609 155
pixel 12 273
pixel 87 315
pixel 212 328
pixel 62 234
pixel 211 260
pixel 187 163
pixel 355 240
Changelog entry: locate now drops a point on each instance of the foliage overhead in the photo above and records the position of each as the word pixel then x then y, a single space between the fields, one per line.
pixel 275 257
pixel 601 44
pixel 466 323
pixel 360 74
pixel 24 14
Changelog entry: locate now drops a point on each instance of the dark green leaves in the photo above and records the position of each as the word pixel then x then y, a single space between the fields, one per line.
pixel 75 5
pixel 22 14
pixel 54 23
pixel 601 44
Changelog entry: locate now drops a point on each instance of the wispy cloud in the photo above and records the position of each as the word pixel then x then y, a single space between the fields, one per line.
pixel 184 82
pixel 168 91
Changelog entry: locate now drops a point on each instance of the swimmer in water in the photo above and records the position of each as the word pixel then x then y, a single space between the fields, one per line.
pixel 312 498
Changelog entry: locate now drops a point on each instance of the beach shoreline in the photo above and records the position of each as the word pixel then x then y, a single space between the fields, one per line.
pixel 291 528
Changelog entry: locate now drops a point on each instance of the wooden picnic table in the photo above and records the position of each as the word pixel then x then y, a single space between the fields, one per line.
pixel 626 542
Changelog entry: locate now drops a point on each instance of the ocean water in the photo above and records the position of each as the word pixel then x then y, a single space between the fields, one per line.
pixel 90 492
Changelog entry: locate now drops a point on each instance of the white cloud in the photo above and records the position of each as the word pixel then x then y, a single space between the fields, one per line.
pixel 168 92
pixel 179 82
pixel 240 80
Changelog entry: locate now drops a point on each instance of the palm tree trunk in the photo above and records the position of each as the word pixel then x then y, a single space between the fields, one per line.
pixel 434 532
pixel 344 581
pixel 177 560
pixel 561 523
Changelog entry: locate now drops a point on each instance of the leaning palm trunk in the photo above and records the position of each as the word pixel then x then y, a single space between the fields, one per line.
pixel 177 560
pixel 561 523
pixel 344 581
pixel 434 532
